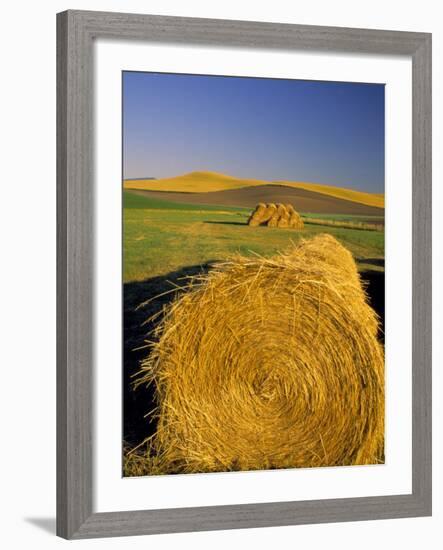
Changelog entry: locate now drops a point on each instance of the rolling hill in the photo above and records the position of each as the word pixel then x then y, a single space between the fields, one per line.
pixel 368 199
pixel 194 182
pixel 302 199
pixel 212 182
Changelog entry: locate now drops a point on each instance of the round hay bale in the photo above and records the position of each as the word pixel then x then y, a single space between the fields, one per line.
pixel 269 363
pixel 256 217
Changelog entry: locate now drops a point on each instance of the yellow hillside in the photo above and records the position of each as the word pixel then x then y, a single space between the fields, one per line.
pixel 369 199
pixel 205 182
pixel 194 182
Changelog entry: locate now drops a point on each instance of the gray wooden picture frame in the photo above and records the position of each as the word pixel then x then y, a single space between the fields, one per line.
pixel 76 32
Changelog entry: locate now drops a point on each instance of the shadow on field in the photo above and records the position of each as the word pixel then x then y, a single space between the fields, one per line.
pixel 375 289
pixel 137 404
pixel 380 262
pixel 225 223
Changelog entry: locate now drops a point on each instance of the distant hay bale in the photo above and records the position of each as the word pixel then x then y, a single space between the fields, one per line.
pixel 262 214
pixel 240 387
pixel 256 217
pixel 271 208
pixel 259 209
pixel 280 215
pixel 273 220
pixel 290 209
pixel 295 221
pixel 283 216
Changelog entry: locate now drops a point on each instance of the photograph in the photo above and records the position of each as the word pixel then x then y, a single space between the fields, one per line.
pixel 253 292
pixel 225 233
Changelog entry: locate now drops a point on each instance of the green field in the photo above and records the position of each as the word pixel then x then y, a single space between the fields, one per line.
pixel 135 201
pixel 345 217
pixel 161 237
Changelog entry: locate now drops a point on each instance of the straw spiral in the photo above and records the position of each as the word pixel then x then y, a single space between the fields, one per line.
pixel 269 363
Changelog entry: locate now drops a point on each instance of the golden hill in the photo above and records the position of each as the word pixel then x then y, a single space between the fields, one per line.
pixel 206 182
pixel 369 199
pixel 194 182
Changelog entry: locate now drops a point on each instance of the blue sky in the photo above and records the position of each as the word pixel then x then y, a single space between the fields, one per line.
pixel 269 129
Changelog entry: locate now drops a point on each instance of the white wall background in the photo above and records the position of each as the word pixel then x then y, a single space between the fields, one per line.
pixel 27 300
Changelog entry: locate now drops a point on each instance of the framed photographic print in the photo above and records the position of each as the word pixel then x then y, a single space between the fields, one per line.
pixel 244 274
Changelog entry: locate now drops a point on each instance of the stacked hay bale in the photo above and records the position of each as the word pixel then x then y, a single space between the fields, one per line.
pixel 273 221
pixel 241 388
pixel 295 221
pixel 280 215
pixel 256 216
pixel 283 216
pixel 262 214
pixel 271 209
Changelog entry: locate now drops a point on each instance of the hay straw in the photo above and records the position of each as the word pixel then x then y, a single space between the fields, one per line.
pixel 257 215
pixel 262 214
pixel 268 363
pixel 269 212
pixel 273 220
pixel 280 215
pixel 295 221
pixel 284 216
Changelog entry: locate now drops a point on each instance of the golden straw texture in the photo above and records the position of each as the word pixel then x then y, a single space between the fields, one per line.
pixel 280 215
pixel 268 363
pixel 257 215
pixel 295 220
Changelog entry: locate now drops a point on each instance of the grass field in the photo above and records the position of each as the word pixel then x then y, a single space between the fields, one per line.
pixel 161 237
pixel 134 201
pixel 346 217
